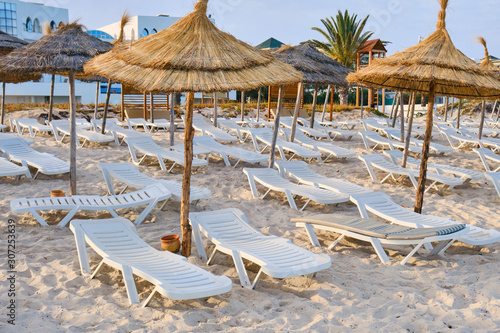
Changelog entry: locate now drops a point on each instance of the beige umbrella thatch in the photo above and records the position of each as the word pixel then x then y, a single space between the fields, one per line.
pixel 316 68
pixel 433 66
pixel 8 44
pixel 488 64
pixel 62 52
pixel 191 56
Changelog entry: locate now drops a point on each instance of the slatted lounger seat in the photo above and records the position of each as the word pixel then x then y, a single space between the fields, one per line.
pixel 435 148
pixel 148 147
pixel 458 141
pixel 332 132
pixel 129 175
pixel 229 230
pixel 379 233
pixel 85 135
pixel 147 125
pixel 487 154
pixel 9 169
pixel 171 274
pixel 149 196
pixel 383 206
pixel 124 133
pixel 495 178
pixel 226 151
pixel 32 125
pixel 396 157
pixel 380 163
pixel 200 124
pixel 231 126
pixel 288 121
pixel 271 179
pixel 373 140
pixel 300 171
pixel 326 148
pixel 265 136
pixel 97 123
pixel 19 151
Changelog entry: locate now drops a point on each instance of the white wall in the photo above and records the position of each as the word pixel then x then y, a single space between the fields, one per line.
pixel 44 14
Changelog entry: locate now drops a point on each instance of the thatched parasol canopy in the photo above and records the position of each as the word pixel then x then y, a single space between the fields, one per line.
pixel 191 56
pixel 316 67
pixel 65 50
pixel 487 63
pixel 9 43
pixel 434 59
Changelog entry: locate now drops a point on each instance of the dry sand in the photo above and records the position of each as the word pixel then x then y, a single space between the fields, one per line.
pixel 459 291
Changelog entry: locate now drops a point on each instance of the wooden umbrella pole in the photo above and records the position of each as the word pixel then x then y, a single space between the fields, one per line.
pixel 459 112
pixel 481 125
pixel 152 104
pixel 446 109
pixel 296 111
pixel 331 103
pixel 452 106
pixel 393 105
pixel 3 101
pixel 122 107
pixel 258 104
pixel 186 180
pixel 493 110
pixel 215 109
pixel 73 137
pixel 172 119
pixel 106 107
pixel 242 106
pixel 269 104
pixel 315 98
pixel 276 126
pixel 326 102
pixel 96 107
pixel 410 125
pixel 51 100
pixel 402 102
pixel 383 100
pixel 362 102
pixel 498 114
pixel 145 108
pixel 396 110
pixel 419 202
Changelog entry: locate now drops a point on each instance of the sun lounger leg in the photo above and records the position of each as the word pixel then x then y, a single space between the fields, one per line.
pixel 113 213
pixel 336 242
pixel 68 217
pixel 234 166
pixel 240 268
pixel 171 168
pixel 198 242
pixel 257 278
pixel 385 178
pixel 440 247
pixel 291 201
pixel 253 187
pixel 312 235
pixel 379 250
pixel 265 194
pixel 97 269
pixel 82 253
pixel 303 207
pixel 282 153
pixel 150 297
pixel 128 278
pixel 405 260
pixel 212 256
pixel 36 174
pixel 145 212
pixel 448 245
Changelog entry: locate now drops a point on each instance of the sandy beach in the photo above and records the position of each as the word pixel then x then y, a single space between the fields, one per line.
pixel 458 291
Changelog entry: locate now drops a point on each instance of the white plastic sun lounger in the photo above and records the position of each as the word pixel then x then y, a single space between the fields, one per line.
pixel 201 125
pixel 326 148
pixel 127 173
pixel 345 125
pixel 117 242
pixel 271 179
pixel 379 162
pixel 124 133
pixel 225 152
pixel 32 125
pixel 315 133
pixel 86 136
pixel 163 124
pixel 2 127
pixel 332 132
pixel 495 178
pixel 458 141
pixel 19 151
pixel 148 147
pixel 379 233
pixel 229 230
pixel 380 141
pixel 382 205
pixel 6 136
pixel 261 123
pixel 97 123
pixel 149 196
pixel 265 136
pixel 300 172
pixel 9 169
pixel 486 154
pixel 147 125
pixel 243 133
pixel 396 157
pixel 433 147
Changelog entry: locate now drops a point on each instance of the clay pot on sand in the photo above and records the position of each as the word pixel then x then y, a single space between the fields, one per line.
pixel 171 243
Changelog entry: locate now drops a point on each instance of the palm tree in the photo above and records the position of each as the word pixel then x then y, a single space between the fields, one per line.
pixel 344 35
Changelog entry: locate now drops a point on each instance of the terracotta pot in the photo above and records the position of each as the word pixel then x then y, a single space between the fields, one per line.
pixel 57 193
pixel 171 243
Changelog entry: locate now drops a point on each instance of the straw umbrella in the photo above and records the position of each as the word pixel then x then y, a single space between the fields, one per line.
pixel 433 66
pixel 191 56
pixel 316 68
pixel 8 44
pixel 64 52
pixel 488 64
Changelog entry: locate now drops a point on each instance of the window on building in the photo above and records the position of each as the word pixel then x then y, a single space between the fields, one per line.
pixel 154 31
pixel 100 34
pixel 36 26
pixel 53 26
pixel 29 25
pixel 8 18
pixel 145 32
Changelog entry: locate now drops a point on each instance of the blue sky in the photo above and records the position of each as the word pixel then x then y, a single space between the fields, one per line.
pixel 253 21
